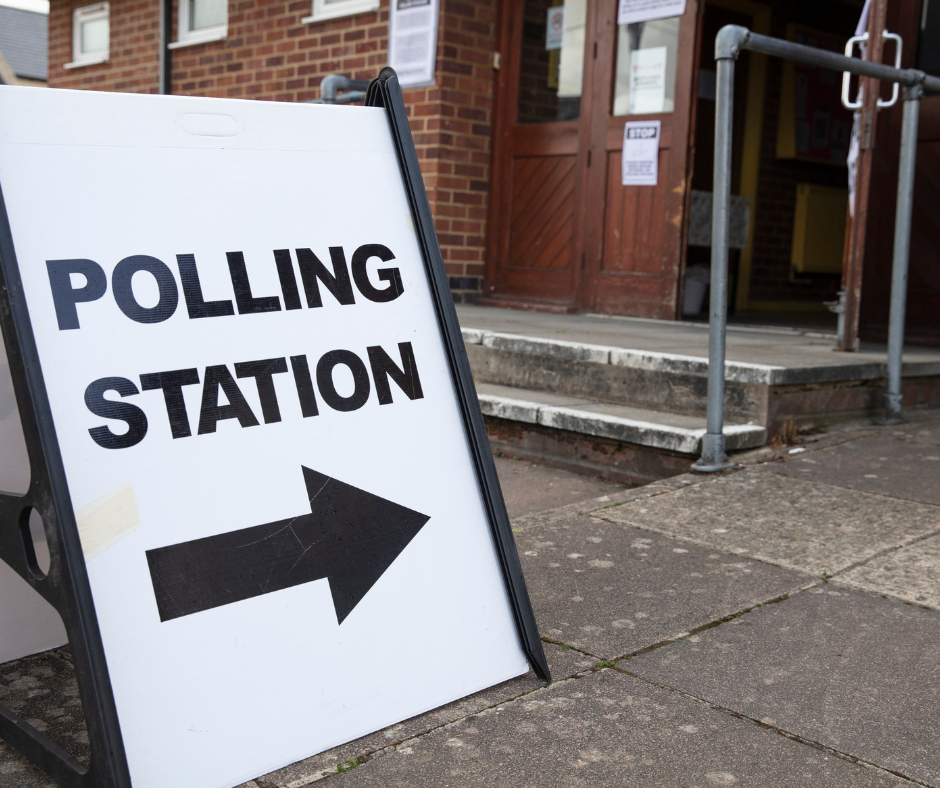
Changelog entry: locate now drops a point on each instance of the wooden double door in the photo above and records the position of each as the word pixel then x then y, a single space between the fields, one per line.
pixel 563 232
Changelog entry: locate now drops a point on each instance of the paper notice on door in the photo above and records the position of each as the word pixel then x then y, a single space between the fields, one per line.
pixel 631 11
pixel 640 160
pixel 412 41
pixel 555 27
pixel 648 80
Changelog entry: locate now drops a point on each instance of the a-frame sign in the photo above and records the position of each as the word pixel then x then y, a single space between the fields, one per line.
pixel 273 516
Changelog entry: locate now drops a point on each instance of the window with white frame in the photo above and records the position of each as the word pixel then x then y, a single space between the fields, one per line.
pixel 91 35
pixel 201 21
pixel 333 9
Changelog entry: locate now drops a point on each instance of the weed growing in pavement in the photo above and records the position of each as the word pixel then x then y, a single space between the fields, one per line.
pixel 788 436
pixel 824 577
pixel 820 423
pixel 605 664
pixel 346 766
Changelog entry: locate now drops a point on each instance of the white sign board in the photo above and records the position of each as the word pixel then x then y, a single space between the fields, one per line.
pixel 631 11
pixel 412 41
pixel 283 530
pixel 555 27
pixel 640 160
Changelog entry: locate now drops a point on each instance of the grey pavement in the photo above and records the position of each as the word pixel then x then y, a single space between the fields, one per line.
pixel 850 671
pixel 530 488
pixel 609 590
pixel 911 574
pixel 798 523
pixel 889 463
pixel 607 729
pixel 760 627
pixel 42 690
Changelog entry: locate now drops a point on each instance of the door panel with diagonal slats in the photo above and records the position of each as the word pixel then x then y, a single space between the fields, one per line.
pixel 542 217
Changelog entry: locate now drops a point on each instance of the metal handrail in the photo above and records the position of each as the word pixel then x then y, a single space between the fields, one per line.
pixel 730 41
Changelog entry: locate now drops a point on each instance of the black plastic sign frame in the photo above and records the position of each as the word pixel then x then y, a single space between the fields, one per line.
pixel 66 587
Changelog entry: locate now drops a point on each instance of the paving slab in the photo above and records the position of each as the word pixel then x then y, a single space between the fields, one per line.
pixel 562 663
pixel 920 432
pixel 616 495
pixel 852 671
pixel 607 729
pixel 612 590
pixel 791 522
pixel 529 488
pixel 886 463
pixel 911 574
pixel 42 690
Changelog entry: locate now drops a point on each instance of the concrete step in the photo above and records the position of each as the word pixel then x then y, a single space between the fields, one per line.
pixel 663 382
pixel 639 426
pixel 668 382
pixel 618 442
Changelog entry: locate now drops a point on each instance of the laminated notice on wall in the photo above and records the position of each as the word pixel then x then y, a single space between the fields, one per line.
pixel 631 11
pixel 412 41
pixel 640 160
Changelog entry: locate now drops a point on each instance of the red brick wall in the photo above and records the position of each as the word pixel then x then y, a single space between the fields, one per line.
pixel 135 30
pixel 270 55
pixel 452 125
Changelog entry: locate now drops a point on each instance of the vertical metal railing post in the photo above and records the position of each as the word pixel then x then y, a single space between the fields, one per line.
pixel 902 247
pixel 727 46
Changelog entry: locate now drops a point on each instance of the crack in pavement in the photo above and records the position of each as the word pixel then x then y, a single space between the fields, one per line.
pixel 774 728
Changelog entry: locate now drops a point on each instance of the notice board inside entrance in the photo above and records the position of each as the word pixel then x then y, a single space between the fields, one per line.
pixel 272 511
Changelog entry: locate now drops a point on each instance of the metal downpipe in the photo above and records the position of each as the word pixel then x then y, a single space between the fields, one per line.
pixel 165 55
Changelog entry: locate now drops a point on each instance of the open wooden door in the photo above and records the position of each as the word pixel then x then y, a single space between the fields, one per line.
pixel 540 133
pixel 634 235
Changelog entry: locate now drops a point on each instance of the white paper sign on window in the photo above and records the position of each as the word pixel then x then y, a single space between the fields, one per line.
pixel 648 80
pixel 640 162
pixel 631 11
pixel 412 41
pixel 555 27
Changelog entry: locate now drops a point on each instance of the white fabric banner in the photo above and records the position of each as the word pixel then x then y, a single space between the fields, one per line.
pixel 855 140
pixel 412 41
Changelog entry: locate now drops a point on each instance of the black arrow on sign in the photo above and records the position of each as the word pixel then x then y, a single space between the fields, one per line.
pixel 350 536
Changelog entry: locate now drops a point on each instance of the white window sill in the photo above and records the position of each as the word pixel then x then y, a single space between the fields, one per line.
pixel 341 11
pixel 219 34
pixel 88 61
